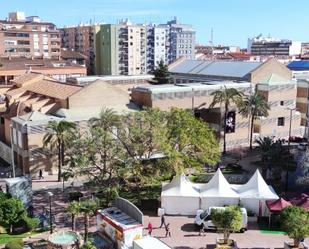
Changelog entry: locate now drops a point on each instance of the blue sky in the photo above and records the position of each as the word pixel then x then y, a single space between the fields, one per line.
pixel 233 21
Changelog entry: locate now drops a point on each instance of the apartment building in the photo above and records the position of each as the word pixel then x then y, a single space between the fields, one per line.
pixel 269 46
pixel 33 100
pixel 59 69
pixel 28 37
pixel 195 81
pixel 81 39
pixel 121 49
pixel 156 46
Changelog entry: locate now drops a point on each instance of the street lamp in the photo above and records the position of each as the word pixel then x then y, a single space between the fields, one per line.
pixel 287 167
pixel 50 195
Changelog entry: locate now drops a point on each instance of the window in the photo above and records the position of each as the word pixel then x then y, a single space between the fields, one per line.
pixel 282 103
pixel 1 120
pixel 281 121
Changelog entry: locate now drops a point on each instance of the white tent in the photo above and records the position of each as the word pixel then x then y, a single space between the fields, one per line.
pixel 180 197
pixel 254 193
pixel 218 192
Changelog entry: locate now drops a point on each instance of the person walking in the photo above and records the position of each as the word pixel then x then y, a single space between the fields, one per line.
pixel 162 221
pixel 167 230
pixel 150 228
pixel 202 230
pixel 41 175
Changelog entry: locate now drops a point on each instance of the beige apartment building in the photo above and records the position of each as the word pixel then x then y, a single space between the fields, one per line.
pixel 195 81
pixel 32 100
pixel 22 36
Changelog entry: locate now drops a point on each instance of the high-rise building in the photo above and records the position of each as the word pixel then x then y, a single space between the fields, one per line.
pixel 81 39
pixel 273 47
pixel 121 49
pixel 22 36
pixel 128 49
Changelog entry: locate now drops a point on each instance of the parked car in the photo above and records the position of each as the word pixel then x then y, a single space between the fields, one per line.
pixel 302 146
pixel 205 217
pixel 296 139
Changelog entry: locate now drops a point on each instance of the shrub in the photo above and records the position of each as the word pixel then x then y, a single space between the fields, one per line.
pixel 74 196
pixel 88 245
pixel 2 229
pixel 31 223
pixel 15 244
pixel 295 222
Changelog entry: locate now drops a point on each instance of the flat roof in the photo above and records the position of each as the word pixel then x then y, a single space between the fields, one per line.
pixel 150 243
pixel 119 218
pixel 188 87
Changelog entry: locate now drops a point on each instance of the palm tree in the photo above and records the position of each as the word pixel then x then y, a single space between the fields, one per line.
pixel 57 136
pixel 74 209
pixel 226 96
pixel 253 106
pixel 106 120
pixel 88 208
pixel 266 149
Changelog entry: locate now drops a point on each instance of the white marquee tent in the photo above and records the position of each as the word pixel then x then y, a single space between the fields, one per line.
pixel 254 193
pixel 180 197
pixel 218 192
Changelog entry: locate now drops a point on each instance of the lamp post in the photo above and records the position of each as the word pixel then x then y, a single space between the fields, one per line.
pixel 287 166
pixel 50 195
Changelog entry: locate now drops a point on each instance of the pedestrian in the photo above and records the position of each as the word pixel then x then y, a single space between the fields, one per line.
pixel 202 230
pixel 162 221
pixel 41 174
pixel 167 230
pixel 149 228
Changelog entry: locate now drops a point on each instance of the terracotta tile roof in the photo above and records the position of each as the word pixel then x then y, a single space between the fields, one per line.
pixel 53 89
pixel 27 78
pixel 69 54
pixel 23 63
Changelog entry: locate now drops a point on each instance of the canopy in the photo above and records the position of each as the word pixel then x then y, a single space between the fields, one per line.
pixel 277 205
pixel 256 187
pixel 180 186
pixel 179 197
pixel 218 192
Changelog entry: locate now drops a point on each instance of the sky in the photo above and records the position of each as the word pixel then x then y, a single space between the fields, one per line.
pixel 232 21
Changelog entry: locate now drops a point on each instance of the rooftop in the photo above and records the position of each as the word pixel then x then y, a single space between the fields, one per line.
pixel 189 87
pixel 298 65
pixel 232 69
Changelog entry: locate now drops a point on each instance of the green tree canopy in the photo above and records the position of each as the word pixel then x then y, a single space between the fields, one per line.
pixel 295 222
pixel 74 209
pixel 227 220
pixel 13 211
pixel 161 73
pixel 253 106
pixel 88 208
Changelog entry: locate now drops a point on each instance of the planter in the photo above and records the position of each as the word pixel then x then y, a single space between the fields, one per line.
pixel 231 244
pixel 290 245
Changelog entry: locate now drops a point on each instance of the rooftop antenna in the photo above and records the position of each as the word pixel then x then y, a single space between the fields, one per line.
pixel 211 42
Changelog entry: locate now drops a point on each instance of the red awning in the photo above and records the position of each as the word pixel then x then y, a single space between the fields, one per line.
pixel 277 205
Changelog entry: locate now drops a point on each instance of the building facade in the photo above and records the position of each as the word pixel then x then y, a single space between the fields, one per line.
pixel 195 81
pixel 22 36
pixel 273 47
pixel 81 39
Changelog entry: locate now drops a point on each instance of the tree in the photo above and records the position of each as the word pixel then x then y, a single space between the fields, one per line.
pixel 88 208
pixel 253 106
pixel 13 211
pixel 57 136
pixel 74 209
pixel 295 222
pixel 227 220
pixel 98 154
pixel 161 73
pixel 88 245
pixel 191 142
pixel 226 96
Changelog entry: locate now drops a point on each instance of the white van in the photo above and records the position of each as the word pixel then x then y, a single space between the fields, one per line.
pixel 205 217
